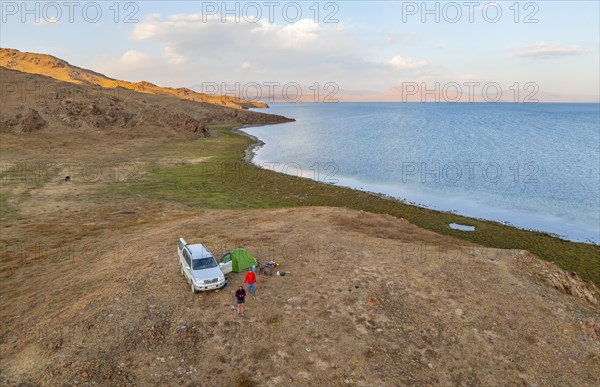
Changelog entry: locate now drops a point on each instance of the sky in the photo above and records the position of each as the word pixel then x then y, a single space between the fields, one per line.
pixel 545 50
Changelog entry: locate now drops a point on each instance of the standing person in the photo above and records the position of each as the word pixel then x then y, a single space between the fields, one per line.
pixel 240 295
pixel 251 281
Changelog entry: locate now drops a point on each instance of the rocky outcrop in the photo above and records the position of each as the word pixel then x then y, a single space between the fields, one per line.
pixel 24 120
pixel 570 283
pixel 94 114
pixel 175 119
pixel 32 121
pixel 58 104
pixel 566 282
pixel 181 121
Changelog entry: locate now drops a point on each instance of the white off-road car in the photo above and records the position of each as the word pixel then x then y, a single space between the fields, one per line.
pixel 199 267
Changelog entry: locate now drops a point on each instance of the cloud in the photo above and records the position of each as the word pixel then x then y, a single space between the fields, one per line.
pixel 173 57
pixel 215 49
pixel 544 50
pixel 132 66
pixel 44 21
pixel 133 57
pixel 207 49
pixel 400 63
pixel 211 31
pixel 298 35
pixel 146 29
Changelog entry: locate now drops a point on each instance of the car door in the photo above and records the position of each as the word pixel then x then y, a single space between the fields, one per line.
pixel 187 262
pixel 180 247
pixel 226 264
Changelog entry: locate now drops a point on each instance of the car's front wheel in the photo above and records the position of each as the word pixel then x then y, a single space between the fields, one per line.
pixel 193 288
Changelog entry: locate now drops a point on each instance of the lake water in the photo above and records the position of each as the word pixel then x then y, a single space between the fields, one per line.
pixel 536 166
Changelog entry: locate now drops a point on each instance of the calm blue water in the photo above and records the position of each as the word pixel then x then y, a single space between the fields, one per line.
pixel 535 166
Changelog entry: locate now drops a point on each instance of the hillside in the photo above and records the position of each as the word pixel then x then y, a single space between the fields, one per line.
pixel 34 102
pixel 59 69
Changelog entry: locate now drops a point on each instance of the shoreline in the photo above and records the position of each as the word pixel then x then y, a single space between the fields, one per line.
pixel 251 149
pixel 251 152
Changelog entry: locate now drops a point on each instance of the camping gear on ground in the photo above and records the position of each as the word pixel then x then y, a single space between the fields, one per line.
pixel 241 259
pixel 266 270
pixel 268 267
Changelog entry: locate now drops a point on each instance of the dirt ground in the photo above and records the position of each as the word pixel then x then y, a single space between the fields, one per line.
pixel 366 300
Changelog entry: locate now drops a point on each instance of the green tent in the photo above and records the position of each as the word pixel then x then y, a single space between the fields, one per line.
pixel 241 259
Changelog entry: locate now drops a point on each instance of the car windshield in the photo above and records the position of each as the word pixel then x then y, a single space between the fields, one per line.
pixel 203 263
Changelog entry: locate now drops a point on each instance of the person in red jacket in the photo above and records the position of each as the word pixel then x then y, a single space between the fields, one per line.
pixel 251 281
